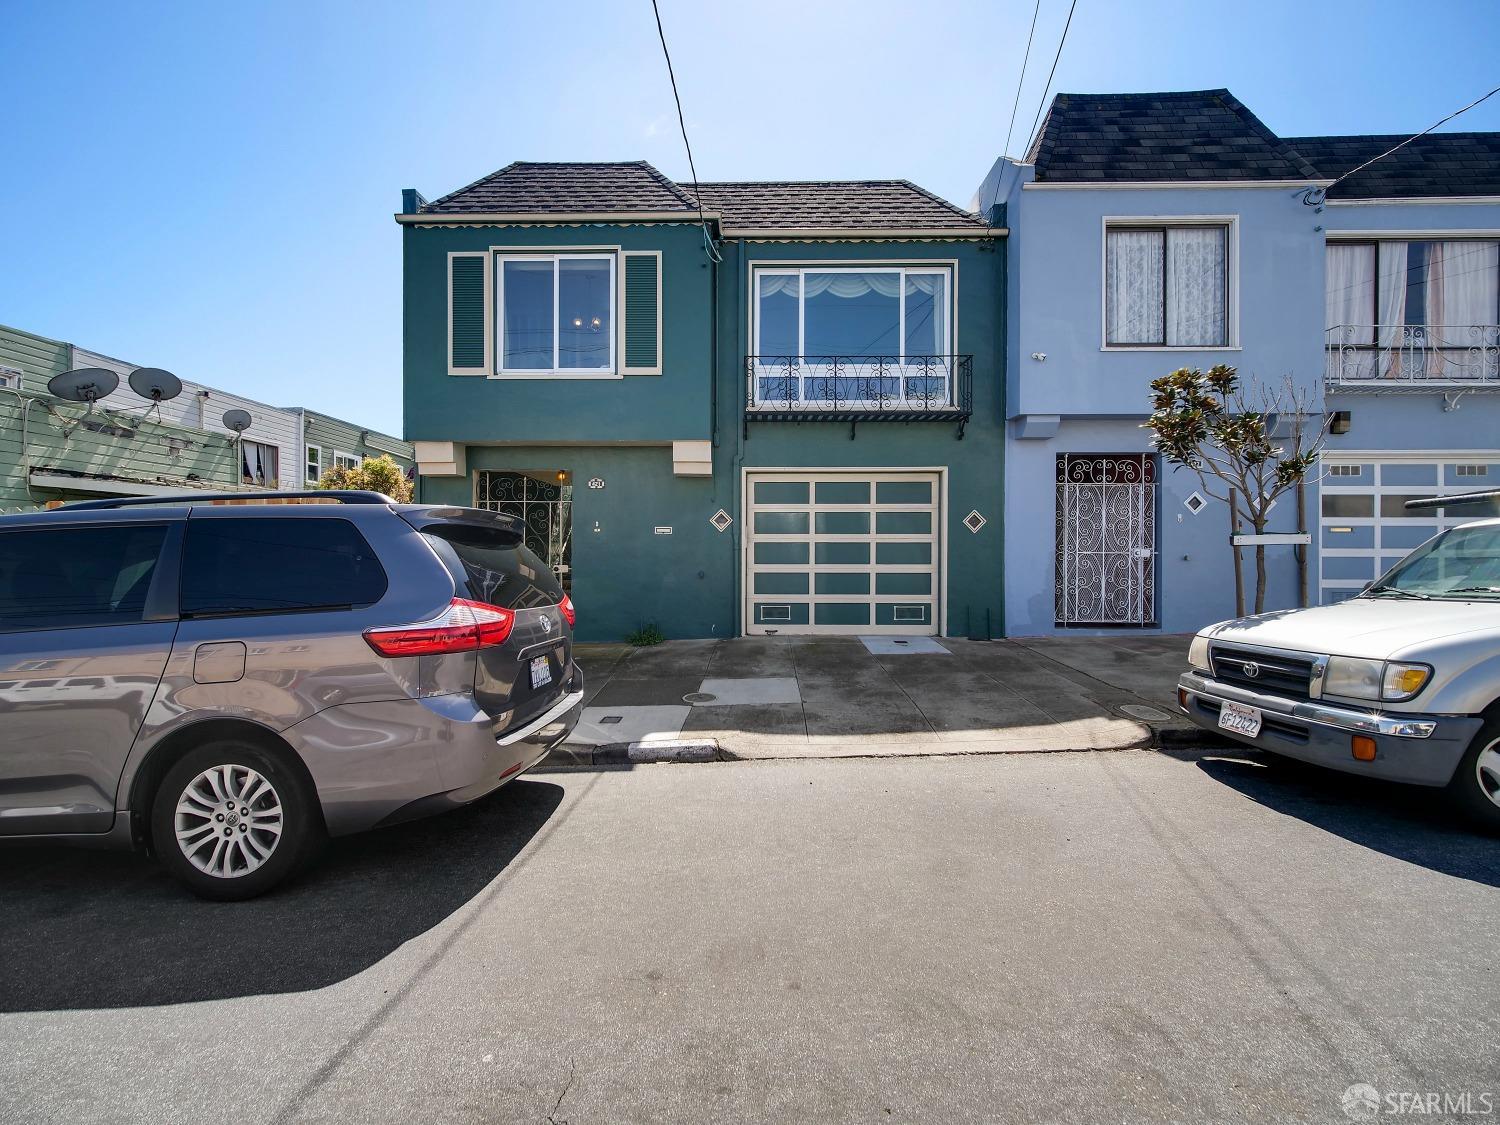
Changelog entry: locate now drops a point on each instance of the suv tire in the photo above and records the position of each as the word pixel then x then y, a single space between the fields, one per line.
pixel 1476 783
pixel 231 820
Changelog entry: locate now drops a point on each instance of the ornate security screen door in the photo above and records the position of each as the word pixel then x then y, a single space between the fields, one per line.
pixel 544 503
pixel 1106 539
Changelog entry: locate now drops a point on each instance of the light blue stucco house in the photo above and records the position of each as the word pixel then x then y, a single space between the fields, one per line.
pixel 1155 231
pixel 765 408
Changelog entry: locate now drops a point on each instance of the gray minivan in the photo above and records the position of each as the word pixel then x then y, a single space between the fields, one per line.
pixel 224 680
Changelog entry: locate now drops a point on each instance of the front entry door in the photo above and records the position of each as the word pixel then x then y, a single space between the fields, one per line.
pixel 1106 539
pixel 544 503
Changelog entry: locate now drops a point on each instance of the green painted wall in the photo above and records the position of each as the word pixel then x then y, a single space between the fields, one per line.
pixel 51 435
pixel 672 405
pixel 333 435
pixel 689 583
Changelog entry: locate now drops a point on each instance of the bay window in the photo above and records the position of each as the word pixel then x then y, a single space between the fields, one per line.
pixel 844 333
pixel 555 312
pixel 1166 286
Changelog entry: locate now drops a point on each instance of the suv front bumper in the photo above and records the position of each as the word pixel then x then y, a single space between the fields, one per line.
pixel 1412 748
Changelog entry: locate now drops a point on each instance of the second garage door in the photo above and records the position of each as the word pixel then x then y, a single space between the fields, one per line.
pixel 841 552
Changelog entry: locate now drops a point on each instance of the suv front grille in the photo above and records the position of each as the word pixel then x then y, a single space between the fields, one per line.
pixel 1259 671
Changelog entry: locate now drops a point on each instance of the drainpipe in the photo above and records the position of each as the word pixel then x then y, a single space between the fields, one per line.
pixel 738 462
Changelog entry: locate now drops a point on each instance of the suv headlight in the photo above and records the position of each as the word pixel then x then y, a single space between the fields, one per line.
pixel 1198 653
pixel 1377 680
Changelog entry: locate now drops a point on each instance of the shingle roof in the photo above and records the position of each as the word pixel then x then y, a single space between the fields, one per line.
pixel 567 188
pixel 872 205
pixel 1437 164
pixel 1184 136
pixel 636 187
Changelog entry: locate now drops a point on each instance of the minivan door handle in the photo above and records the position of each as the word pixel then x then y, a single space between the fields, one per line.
pixel 222 662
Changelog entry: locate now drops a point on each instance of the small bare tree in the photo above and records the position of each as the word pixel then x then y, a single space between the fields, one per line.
pixel 1256 444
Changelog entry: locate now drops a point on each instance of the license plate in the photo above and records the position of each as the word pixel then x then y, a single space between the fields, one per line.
pixel 1239 719
pixel 541 673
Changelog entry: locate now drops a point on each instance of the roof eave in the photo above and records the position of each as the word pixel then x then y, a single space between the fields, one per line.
pixel 438 218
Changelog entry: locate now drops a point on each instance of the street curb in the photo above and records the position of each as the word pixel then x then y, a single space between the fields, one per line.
pixel 632 754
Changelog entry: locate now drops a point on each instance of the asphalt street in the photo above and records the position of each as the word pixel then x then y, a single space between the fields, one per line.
pixel 1129 936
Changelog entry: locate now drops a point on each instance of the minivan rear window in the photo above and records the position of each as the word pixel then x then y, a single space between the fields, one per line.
pixel 494 568
pixel 277 565
pixel 67 577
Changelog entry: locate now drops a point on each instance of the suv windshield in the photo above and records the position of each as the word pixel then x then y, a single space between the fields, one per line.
pixel 1460 565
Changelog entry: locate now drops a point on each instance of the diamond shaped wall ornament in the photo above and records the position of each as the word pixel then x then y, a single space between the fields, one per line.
pixel 1195 503
pixel 596 482
pixel 721 520
pixel 974 521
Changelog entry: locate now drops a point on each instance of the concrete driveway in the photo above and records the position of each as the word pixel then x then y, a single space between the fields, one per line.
pixel 801 697
pixel 1058 937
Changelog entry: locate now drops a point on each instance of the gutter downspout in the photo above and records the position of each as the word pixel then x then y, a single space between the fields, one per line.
pixel 738 461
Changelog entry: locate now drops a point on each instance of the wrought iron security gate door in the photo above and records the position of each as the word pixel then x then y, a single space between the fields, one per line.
pixel 1106 539
pixel 544 502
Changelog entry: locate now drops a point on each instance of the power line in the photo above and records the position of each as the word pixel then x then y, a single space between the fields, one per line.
pixel 1317 195
pixel 1051 73
pixel 708 241
pixel 1022 80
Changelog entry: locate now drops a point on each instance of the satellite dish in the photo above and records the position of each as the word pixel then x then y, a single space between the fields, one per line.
pixel 86 384
pixel 155 384
pixel 237 420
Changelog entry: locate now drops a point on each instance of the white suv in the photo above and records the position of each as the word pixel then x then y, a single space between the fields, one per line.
pixel 1401 682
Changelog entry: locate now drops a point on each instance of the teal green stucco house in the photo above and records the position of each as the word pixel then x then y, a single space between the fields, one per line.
pixel 765 408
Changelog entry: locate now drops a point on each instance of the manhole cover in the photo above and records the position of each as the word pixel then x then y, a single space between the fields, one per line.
pixel 699 697
pixel 1150 714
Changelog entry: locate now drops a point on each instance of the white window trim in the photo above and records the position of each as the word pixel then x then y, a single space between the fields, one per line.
pixel 354 459
pixel 276 484
pixel 950 311
pixel 1231 278
pixel 312 452
pixel 497 319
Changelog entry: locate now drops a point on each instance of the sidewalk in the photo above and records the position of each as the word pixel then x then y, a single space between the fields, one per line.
pixel 821 697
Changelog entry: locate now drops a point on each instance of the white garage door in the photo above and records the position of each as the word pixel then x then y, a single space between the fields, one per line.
pixel 832 552
pixel 1364 527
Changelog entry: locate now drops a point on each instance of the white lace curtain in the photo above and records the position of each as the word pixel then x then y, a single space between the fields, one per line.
pixel 1350 297
pixel 1166 286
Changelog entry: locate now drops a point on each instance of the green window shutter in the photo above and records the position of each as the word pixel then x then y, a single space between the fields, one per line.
pixel 641 313
pixel 467 305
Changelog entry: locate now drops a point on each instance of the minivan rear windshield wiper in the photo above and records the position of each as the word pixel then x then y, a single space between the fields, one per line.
pixel 1395 591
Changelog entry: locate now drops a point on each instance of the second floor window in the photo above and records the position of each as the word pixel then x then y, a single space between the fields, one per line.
pixel 819 314
pixel 258 464
pixel 555 312
pixel 1395 293
pixel 1166 286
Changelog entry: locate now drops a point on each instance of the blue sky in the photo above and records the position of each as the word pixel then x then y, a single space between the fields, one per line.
pixel 208 187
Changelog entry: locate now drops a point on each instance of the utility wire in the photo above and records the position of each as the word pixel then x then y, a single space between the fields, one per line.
pixel 1022 80
pixel 1313 198
pixel 708 241
pixel 1051 74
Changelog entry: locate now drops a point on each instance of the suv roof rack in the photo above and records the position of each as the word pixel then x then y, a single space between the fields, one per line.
pixel 342 495
pixel 1489 496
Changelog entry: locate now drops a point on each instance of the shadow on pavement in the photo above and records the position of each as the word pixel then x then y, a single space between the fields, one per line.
pixel 1408 822
pixel 87 929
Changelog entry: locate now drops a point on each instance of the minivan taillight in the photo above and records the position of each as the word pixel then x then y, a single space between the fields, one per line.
pixel 463 627
pixel 566 605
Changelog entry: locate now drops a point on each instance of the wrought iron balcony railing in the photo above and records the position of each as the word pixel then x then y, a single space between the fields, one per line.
pixel 841 388
pixel 1406 356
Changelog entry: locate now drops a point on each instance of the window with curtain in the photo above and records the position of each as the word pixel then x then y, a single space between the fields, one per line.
pixel 555 312
pixel 1166 286
pixel 258 464
pixel 889 327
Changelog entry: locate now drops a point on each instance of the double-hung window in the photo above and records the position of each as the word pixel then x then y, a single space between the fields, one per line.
pixel 258 464
pixel 1167 286
pixel 314 470
pixel 852 334
pixel 554 313
pixel 346 460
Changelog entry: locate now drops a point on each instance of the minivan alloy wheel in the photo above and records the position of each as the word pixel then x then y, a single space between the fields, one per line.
pixel 1487 771
pixel 228 821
